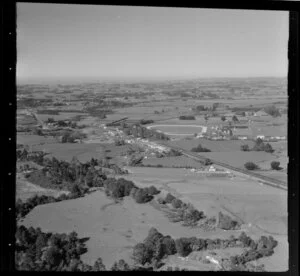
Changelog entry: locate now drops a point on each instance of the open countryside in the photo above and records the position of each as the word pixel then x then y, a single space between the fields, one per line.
pixel 175 155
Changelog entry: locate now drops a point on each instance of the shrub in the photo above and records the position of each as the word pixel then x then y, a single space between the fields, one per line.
pixel 169 198
pixel 207 162
pixel 119 143
pixel 161 200
pixel 251 166
pixel 272 110
pixel 176 203
pixel 141 196
pixel 183 247
pixel 199 148
pixel 226 222
pixel 245 147
pixel 153 191
pixel 275 165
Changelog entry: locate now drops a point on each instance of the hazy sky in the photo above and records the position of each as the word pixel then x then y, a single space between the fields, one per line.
pixel 57 42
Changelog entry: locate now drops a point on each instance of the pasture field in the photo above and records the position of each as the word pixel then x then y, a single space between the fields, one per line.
pixel 113 229
pixel 32 140
pixel 262 208
pixel 239 158
pixel 61 116
pixel 178 129
pixel 214 146
pixel 66 151
pixel 176 161
pixel 25 189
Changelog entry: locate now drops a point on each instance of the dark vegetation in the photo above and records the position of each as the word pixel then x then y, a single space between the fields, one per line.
pixel 119 188
pixel 40 251
pixel 272 110
pixel 227 223
pixel 199 148
pixel 140 131
pixel 62 123
pixel 261 146
pixel 145 122
pixel 71 136
pixel 120 142
pixel 23 208
pixel 251 166
pixel 258 146
pixel 275 165
pixel 156 247
pixel 182 212
pixel 187 117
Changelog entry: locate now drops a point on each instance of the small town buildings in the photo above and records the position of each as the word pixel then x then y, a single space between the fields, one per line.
pixel 260 113
pixel 212 169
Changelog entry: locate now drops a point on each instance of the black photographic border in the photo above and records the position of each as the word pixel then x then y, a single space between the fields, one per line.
pixel 8 107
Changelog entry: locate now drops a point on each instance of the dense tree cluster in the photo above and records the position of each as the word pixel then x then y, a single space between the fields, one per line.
pixel 138 130
pixel 39 251
pixel 258 146
pixel 272 110
pixel 24 155
pixel 199 148
pixel 183 212
pixel 156 246
pixel 59 174
pixel 119 188
pixel 261 146
pixel 62 123
pixel 264 247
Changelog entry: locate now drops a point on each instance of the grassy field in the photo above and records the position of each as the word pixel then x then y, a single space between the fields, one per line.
pixel 25 189
pixel 176 161
pixel 34 139
pixel 66 151
pixel 61 116
pixel 239 158
pixel 214 146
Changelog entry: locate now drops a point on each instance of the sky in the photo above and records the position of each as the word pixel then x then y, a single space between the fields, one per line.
pixel 57 42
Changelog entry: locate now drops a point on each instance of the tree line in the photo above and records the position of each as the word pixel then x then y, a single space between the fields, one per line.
pixel 156 246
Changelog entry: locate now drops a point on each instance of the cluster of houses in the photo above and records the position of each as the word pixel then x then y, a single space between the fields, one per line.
pixel 218 133
pixel 148 145
pixel 271 138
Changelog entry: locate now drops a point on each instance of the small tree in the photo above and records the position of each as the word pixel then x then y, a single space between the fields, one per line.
pixel 275 165
pixel 223 118
pixel 169 198
pixel 235 119
pixel 251 166
pixel 245 147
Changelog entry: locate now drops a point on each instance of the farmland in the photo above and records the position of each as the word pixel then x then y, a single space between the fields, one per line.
pixel 87 147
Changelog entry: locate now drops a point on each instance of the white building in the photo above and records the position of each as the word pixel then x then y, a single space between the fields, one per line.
pixel 212 169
